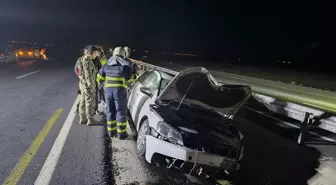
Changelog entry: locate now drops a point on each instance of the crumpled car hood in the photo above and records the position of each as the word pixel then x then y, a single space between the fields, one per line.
pixel 198 87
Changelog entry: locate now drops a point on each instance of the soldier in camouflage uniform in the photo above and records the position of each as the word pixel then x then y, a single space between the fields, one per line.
pixel 87 85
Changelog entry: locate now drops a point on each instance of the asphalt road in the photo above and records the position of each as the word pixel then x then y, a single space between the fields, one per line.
pixel 37 116
pixel 30 95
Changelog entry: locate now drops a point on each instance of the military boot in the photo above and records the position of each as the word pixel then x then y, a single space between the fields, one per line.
pixel 82 120
pixel 91 121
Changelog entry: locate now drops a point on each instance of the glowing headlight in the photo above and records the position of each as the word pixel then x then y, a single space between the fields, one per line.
pixel 169 133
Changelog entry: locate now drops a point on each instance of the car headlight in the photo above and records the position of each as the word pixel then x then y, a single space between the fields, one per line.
pixel 169 133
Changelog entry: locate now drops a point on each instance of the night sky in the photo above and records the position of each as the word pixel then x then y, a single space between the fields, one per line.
pixel 203 27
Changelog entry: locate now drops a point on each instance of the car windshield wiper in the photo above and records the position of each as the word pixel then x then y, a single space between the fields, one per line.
pixel 193 106
pixel 199 107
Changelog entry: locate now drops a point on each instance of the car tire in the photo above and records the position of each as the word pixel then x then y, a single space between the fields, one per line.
pixel 141 139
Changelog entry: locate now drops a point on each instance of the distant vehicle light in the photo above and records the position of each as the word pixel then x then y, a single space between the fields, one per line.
pixel 20 53
pixel 30 53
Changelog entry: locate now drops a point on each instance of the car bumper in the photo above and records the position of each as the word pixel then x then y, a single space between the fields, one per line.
pixel 158 146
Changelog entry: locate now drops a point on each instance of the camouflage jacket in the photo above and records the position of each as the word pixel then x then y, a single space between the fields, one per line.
pixel 77 64
pixel 88 72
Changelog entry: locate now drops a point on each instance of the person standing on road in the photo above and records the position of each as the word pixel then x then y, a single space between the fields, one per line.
pixel 115 74
pixel 101 94
pixel 103 58
pixel 87 86
pixel 97 63
pixel 77 72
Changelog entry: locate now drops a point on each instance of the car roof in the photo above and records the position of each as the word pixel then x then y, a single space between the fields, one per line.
pixel 166 75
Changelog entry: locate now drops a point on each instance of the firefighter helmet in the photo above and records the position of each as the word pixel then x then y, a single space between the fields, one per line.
pixel 128 51
pixel 119 51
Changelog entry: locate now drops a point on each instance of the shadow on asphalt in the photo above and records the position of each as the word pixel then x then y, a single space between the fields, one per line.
pixel 272 156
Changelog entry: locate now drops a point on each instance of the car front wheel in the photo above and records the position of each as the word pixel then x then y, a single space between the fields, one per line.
pixel 141 140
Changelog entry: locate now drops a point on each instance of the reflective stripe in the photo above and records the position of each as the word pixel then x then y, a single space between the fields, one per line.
pixel 116 85
pixel 115 82
pixel 132 79
pixel 115 78
pixel 122 123
pixel 112 122
pixel 112 125
pixel 100 78
pixel 111 129
pixel 122 127
pixel 122 131
pixel 103 61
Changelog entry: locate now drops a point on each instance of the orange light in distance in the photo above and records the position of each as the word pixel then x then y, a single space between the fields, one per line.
pixel 20 53
pixel 30 53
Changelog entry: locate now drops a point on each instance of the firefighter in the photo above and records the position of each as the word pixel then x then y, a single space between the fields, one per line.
pixel 101 98
pixel 103 59
pixel 97 63
pixel 87 85
pixel 115 74
pixel 128 51
pixel 96 60
pixel 133 65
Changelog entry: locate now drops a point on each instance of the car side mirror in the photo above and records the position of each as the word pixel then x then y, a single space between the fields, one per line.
pixel 146 91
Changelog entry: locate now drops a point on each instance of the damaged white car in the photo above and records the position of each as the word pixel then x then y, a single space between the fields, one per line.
pixel 188 119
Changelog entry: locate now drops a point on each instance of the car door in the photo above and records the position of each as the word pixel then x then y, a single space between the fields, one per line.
pixel 151 81
pixel 132 91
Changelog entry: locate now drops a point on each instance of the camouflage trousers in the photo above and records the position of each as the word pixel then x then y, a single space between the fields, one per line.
pixel 87 103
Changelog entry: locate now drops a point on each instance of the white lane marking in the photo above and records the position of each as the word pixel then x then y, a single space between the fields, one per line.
pixel 55 152
pixel 28 74
pixel 293 125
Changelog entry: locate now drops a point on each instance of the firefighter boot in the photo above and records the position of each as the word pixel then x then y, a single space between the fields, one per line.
pixel 112 134
pixel 123 136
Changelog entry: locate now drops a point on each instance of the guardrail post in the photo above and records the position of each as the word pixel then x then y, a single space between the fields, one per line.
pixel 303 128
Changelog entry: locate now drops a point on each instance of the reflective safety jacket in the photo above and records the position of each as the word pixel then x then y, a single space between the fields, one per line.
pixel 115 73
pixel 103 60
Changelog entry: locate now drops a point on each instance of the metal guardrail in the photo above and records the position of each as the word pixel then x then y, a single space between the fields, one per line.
pixel 310 97
pixel 277 100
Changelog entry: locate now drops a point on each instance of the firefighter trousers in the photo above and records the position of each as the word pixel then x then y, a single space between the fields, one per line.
pixel 116 111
